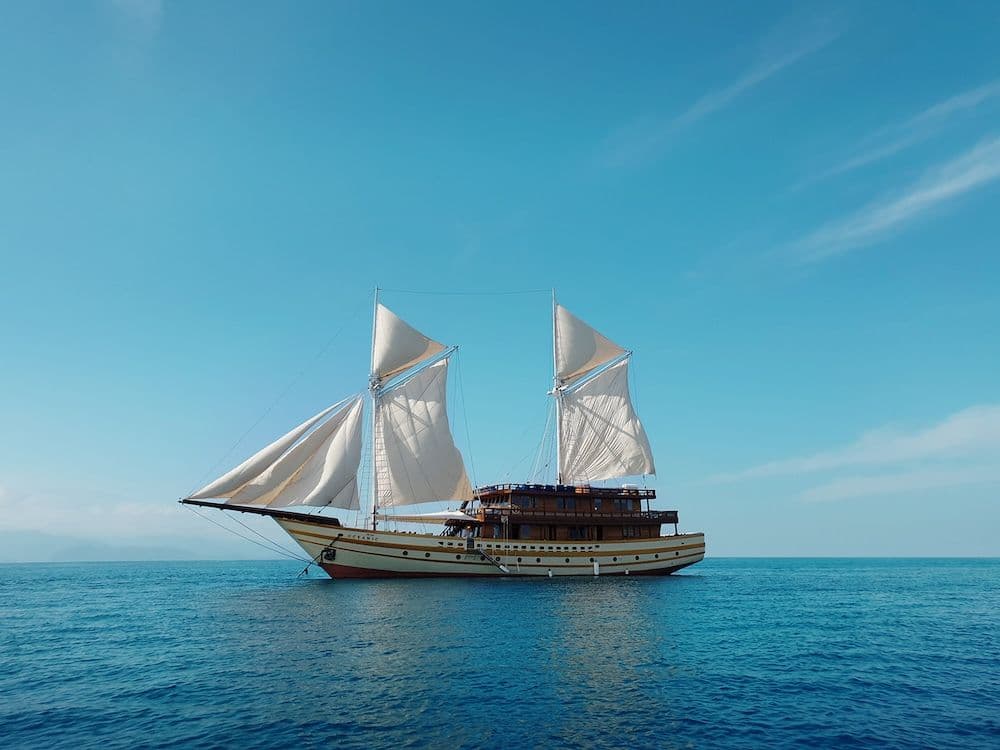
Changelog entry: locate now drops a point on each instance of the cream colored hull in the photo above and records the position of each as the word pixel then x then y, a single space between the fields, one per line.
pixel 357 553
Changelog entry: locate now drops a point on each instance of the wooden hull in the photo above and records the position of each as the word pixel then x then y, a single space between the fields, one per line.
pixel 345 552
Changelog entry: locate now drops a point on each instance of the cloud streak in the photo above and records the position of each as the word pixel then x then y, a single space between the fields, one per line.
pixel 893 484
pixel 970 433
pixel 891 140
pixel 971 170
pixel 646 139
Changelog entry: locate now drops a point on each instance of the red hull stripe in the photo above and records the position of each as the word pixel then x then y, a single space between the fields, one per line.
pixel 346 571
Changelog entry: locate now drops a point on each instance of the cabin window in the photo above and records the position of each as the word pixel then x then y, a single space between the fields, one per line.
pixel 526 531
pixel 494 530
pixel 597 503
pixel 522 501
pixel 578 532
pixel 566 503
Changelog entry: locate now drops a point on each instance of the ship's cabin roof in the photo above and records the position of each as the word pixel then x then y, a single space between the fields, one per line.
pixel 497 491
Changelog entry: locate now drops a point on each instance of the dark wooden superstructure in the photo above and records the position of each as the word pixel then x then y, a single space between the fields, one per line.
pixel 566 513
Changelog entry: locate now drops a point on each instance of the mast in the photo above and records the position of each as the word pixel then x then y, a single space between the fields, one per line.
pixel 555 390
pixel 373 387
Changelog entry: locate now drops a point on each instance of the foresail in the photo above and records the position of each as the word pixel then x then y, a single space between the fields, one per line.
pixel 231 481
pixel 398 345
pixel 579 349
pixel 602 437
pixel 320 470
pixel 415 455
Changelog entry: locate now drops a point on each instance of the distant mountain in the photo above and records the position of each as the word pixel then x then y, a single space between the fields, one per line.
pixel 36 546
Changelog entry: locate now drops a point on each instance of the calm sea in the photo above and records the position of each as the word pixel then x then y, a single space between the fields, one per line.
pixel 736 653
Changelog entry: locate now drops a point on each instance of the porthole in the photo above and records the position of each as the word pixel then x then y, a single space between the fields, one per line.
pixel 676 553
pixel 538 559
pixel 592 559
pixel 657 555
pixel 567 559
pixel 428 554
pixel 614 559
pixel 458 557
pixel 405 552
pixel 636 557
pixel 519 559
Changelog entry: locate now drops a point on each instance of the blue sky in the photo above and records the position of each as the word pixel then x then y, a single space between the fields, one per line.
pixel 788 211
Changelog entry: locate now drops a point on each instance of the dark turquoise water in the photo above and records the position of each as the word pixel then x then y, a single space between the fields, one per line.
pixel 733 654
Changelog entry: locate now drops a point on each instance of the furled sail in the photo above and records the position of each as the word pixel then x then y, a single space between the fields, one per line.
pixel 319 469
pixel 600 433
pixel 579 349
pixel 398 345
pixel 416 460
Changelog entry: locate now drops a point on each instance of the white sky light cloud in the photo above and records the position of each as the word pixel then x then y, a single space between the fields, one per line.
pixel 907 481
pixel 645 139
pixel 891 140
pixel 970 433
pixel 962 449
pixel 970 170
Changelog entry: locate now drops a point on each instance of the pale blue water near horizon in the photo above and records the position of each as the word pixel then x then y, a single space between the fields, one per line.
pixel 733 653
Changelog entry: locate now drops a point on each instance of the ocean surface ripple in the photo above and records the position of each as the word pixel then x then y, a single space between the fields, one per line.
pixel 734 653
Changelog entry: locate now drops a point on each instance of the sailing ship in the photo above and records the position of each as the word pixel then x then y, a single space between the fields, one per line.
pixel 573 527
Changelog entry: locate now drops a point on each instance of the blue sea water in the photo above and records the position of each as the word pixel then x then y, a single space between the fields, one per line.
pixel 734 653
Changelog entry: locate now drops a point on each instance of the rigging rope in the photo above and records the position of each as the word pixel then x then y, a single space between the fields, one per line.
pixel 252 541
pixel 277 400
pixel 465 415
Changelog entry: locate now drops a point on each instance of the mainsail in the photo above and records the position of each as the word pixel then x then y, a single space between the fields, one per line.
pixel 302 467
pixel 414 449
pixel 599 435
pixel 602 435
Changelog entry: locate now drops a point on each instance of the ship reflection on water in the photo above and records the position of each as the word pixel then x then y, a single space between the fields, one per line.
pixel 428 652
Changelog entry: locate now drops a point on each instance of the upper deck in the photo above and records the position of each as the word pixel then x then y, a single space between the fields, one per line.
pixel 501 491
pixel 559 511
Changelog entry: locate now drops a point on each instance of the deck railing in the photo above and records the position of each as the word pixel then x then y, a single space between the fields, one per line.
pixel 519 514
pixel 566 489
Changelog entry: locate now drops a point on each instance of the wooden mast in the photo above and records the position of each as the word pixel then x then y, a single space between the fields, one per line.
pixel 373 386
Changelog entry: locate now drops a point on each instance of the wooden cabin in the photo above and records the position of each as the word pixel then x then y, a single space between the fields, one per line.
pixel 567 513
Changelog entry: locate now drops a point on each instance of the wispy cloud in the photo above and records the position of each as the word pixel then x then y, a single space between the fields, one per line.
pixel 967 434
pixel 145 15
pixel 901 482
pixel 646 139
pixel 136 25
pixel 971 170
pixel 891 140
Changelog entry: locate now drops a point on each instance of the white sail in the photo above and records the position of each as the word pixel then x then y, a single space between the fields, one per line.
pixel 231 481
pixel 416 460
pixel 398 345
pixel 578 347
pixel 320 470
pixel 601 435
